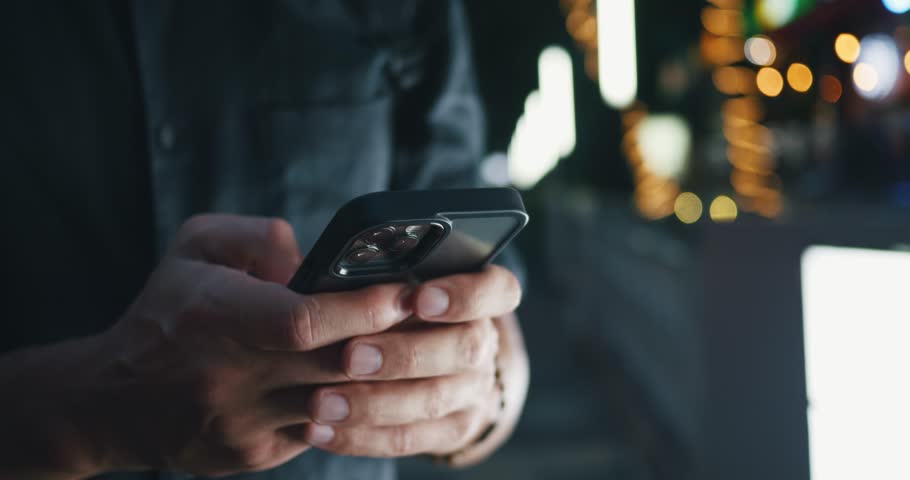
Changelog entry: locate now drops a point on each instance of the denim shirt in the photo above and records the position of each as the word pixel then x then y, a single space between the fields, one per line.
pixel 124 118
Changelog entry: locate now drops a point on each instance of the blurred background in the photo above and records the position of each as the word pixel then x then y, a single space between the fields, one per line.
pixel 718 253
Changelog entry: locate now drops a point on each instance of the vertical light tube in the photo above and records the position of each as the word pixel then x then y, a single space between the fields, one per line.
pixel 617 54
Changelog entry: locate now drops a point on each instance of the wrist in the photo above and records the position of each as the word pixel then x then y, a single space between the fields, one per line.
pixel 52 411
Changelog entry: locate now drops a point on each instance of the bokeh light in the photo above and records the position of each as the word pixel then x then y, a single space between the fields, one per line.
pixel 688 207
pixel 545 132
pixel 760 50
pixel 831 89
pixel 617 52
pixel 665 142
pixel 897 6
pixel 722 21
pixel 865 77
pixel 799 76
pixel 847 47
pixel 774 14
pixel 907 62
pixel 770 82
pixel 723 209
pixel 878 67
pixel 734 80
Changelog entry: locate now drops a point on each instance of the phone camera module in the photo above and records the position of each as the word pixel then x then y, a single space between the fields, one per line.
pixel 389 248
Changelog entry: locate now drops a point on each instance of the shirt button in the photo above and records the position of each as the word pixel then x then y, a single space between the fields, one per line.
pixel 167 136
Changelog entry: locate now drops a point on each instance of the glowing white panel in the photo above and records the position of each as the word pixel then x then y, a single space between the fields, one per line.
pixel 665 142
pixel 856 314
pixel 617 54
pixel 879 53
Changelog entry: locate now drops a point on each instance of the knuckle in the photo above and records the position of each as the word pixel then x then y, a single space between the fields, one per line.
pixel 375 307
pixel 401 440
pixel 472 344
pixel 306 318
pixel 412 359
pixel 434 403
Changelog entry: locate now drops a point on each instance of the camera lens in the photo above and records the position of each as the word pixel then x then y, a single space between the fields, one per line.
pixel 417 230
pixel 380 235
pixel 404 243
pixel 363 255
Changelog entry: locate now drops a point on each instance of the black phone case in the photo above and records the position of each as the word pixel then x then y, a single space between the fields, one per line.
pixel 463 248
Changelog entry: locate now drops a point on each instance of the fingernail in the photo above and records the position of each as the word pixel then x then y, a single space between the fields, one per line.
pixel 432 302
pixel 365 360
pixel 332 408
pixel 321 434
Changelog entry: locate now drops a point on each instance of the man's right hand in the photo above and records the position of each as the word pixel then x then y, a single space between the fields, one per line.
pixel 207 372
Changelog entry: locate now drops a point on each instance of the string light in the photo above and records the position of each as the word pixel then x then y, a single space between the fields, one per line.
pixel 749 142
pixel 770 82
pixel 760 50
pixel 865 77
pixel 847 47
pixel 723 209
pixel 831 89
pixel 799 76
pixel 877 69
pixel 688 207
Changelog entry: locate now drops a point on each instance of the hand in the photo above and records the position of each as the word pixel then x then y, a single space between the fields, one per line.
pixel 430 389
pixel 194 376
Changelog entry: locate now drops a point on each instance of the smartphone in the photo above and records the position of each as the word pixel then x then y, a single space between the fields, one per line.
pixel 410 236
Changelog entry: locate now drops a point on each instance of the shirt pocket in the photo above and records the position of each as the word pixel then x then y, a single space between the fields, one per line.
pixel 327 154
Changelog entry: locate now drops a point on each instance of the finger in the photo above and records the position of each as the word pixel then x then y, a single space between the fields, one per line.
pixel 270 316
pixel 400 402
pixel 285 369
pixel 444 434
pixel 457 298
pixel 264 247
pixel 428 352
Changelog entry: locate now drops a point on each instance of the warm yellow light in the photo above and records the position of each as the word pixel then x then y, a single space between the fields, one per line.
pixel 831 89
pixel 722 22
pixel 734 80
pixel 760 50
pixel 865 77
pixel 769 81
pixel 688 207
pixel 907 62
pixel 847 47
pixel 723 209
pixel 799 77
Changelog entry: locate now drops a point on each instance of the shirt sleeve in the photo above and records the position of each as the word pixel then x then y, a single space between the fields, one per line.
pixel 439 121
